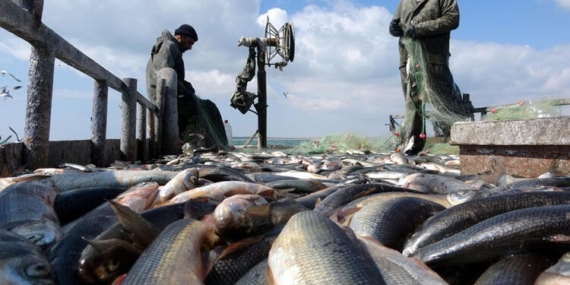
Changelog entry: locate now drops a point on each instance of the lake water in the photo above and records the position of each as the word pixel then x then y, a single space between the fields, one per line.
pixel 288 142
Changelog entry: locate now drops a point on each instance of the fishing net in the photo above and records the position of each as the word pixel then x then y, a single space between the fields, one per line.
pixel 439 104
pixel 343 143
pixel 205 126
pixel 524 110
pixel 350 142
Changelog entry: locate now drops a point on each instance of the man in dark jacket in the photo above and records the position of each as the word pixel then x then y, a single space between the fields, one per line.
pixel 195 115
pixel 424 28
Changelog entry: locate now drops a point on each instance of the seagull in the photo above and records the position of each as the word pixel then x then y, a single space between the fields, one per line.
pixel 5 93
pixel 16 87
pixel 285 94
pixel 4 72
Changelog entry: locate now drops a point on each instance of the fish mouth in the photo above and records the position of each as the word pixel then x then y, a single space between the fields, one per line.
pixel 86 272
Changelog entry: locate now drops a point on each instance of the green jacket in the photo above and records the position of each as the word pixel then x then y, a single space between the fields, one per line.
pixel 433 21
pixel 166 53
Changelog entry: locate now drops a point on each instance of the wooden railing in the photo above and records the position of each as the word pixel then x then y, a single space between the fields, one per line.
pixel 23 19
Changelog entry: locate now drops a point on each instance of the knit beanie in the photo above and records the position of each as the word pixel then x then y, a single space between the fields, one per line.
pixel 186 30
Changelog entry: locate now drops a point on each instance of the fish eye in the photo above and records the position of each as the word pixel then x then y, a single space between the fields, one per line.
pixel 37 270
pixel 113 264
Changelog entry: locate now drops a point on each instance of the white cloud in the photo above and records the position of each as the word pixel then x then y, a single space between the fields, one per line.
pixel 344 77
pixel 564 3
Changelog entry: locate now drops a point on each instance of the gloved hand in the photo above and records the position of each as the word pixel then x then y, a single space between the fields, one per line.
pixel 395 29
pixel 411 32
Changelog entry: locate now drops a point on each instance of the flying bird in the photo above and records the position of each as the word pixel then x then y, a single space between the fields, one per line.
pixel 5 93
pixel 285 94
pixel 4 72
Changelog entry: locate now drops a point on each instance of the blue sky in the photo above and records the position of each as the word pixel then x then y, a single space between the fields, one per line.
pixel 345 75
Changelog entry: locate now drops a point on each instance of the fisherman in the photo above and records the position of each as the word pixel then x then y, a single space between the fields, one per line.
pixel 424 28
pixel 195 115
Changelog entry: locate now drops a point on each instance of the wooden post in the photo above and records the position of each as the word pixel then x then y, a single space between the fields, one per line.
pixel 143 147
pixel 167 97
pixel 152 127
pixel 99 123
pixel 128 118
pixel 261 105
pixel 38 110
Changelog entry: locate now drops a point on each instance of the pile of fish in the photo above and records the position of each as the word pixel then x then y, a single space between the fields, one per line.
pixel 282 218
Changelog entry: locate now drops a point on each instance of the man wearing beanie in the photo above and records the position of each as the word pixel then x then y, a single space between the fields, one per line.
pixel 195 115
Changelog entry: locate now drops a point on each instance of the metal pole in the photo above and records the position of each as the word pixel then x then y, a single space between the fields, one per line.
pixel 261 105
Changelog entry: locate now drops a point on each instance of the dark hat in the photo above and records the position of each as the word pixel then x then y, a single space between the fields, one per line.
pixel 187 30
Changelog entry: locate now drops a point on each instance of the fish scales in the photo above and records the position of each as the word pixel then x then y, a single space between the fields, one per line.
pixel 398 269
pixel 390 221
pixel 510 232
pixel 311 249
pixel 118 178
pixel 174 257
pixel 229 269
pixel 459 217
pixel 347 193
pixel 520 269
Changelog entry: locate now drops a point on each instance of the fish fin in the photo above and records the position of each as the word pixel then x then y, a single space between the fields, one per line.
pixel 345 215
pixel 29 177
pixel 364 193
pixel 273 193
pixel 142 230
pixel 119 279
pixel 239 245
pixel 208 262
pixel 97 246
pixel 263 210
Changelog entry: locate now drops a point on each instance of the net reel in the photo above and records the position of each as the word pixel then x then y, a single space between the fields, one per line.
pixel 277 42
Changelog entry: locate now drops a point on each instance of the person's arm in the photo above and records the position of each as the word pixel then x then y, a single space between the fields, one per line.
pixel 446 23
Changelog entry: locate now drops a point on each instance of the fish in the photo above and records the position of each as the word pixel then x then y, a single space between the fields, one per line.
pixel 117 178
pixel 220 190
pixel 555 181
pixel 311 249
pixel 114 251
pixel 177 256
pixel 185 180
pixel 299 185
pixel 255 276
pixel 516 231
pixel 433 183
pixel 139 197
pixel 229 219
pixel 462 216
pixel 348 193
pixel 239 257
pixel 557 274
pixel 64 255
pixel 22 262
pixel 222 173
pixel 71 205
pixel 391 220
pixel 520 269
pixel 26 208
pixel 399 269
